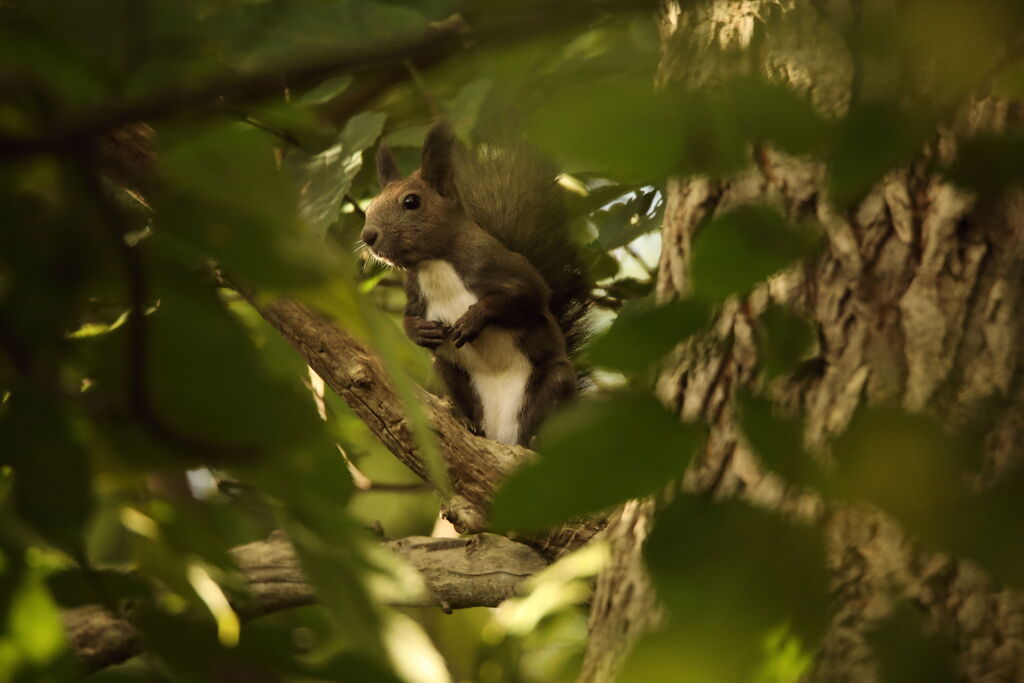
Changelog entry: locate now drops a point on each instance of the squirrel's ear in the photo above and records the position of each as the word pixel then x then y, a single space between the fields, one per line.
pixel 387 167
pixel 436 165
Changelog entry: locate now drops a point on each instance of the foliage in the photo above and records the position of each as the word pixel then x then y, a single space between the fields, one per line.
pixel 125 373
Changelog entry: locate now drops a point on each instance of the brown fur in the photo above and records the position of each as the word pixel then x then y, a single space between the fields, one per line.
pixel 510 293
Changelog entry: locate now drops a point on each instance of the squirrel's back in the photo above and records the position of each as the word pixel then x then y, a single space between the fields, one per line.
pixel 512 193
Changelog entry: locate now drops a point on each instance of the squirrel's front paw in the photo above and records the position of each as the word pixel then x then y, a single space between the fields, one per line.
pixel 428 333
pixel 467 328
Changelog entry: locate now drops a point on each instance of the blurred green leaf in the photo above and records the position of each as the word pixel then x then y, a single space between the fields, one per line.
pixel 872 139
pixel 770 112
pixel 643 333
pixel 335 565
pixel 743 247
pixel 952 47
pixel 52 472
pixel 189 648
pixel 989 164
pixel 784 341
pixel 777 440
pixel 464 108
pixel 786 658
pixel 1009 82
pixel 74 587
pixel 362 130
pixel 224 198
pixel 324 178
pixel 919 470
pixel 623 222
pixel 599 263
pixel 906 653
pixel 290 125
pixel 730 575
pixel 596 454
pixel 907 464
pixel 327 90
pixel 208 393
pixel 410 136
pixel 264 34
pixel 34 621
pixel 622 128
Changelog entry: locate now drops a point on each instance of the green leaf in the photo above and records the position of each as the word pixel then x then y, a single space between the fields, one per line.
pixel 620 127
pixel 907 464
pixel 713 143
pixel 623 222
pixel 464 108
pixel 643 333
pixel 327 90
pixel 872 139
pixel 208 382
pixel 989 164
pixel 289 124
pixel 769 112
pixel 596 453
pixel 730 576
pixel 410 136
pixel 269 35
pixel 599 263
pixel 362 130
pixel 784 340
pixel 52 472
pixel 75 587
pixel 777 440
pixel 324 178
pixel 917 469
pixel 34 622
pixel 906 652
pixel 224 198
pixel 743 247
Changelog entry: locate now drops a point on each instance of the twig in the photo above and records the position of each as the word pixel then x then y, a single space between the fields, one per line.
pixel 355 205
pixel 651 273
pixel 285 136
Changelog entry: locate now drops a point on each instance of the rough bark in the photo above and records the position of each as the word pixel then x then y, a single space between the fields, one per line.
pixel 917 299
pixel 477 571
pixel 624 605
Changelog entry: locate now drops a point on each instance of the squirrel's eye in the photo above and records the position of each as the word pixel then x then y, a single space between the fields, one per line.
pixel 410 202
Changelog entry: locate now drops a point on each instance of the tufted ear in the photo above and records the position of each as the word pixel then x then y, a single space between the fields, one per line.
pixel 387 167
pixel 436 165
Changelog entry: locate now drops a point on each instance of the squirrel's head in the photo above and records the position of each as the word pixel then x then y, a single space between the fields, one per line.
pixel 415 219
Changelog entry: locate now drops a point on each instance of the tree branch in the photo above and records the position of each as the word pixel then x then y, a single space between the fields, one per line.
pixel 440 40
pixel 475 465
pixel 479 571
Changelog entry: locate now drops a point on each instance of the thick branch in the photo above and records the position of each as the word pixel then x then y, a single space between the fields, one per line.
pixel 475 465
pixel 479 571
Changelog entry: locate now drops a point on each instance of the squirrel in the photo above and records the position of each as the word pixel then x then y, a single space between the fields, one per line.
pixel 495 286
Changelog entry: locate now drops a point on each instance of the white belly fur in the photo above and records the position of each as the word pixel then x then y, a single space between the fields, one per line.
pixel 497 368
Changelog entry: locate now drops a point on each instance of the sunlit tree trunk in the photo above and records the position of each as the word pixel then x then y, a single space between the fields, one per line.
pixel 917 298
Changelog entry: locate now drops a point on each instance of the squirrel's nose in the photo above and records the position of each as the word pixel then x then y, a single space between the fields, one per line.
pixel 369 236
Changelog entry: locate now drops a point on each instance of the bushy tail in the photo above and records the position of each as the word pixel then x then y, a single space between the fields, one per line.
pixel 511 192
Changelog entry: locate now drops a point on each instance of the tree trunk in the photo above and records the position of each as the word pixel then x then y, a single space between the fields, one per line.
pixel 917 300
